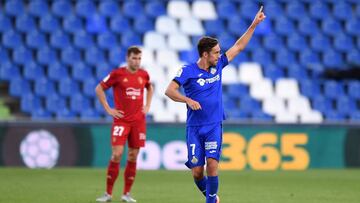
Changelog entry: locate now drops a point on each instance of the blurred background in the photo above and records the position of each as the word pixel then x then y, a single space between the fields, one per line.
pixel 296 84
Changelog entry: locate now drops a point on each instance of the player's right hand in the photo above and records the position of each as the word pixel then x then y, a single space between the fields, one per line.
pixel 194 105
pixel 116 113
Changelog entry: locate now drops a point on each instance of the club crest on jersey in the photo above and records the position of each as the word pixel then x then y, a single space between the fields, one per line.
pixel 125 80
pixel 194 160
pixel 201 81
pixel 213 70
pixel 140 80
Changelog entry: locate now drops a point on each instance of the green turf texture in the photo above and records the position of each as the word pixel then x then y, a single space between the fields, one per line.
pixel 78 185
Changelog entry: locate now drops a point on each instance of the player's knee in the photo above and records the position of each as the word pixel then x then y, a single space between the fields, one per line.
pixel 116 157
pixel 132 155
pixel 212 167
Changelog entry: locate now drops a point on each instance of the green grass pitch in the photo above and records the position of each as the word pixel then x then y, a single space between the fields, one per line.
pixel 83 185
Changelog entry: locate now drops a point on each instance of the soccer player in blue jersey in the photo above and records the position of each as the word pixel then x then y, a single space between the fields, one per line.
pixel 203 97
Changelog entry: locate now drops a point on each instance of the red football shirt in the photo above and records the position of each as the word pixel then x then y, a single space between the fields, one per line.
pixel 128 89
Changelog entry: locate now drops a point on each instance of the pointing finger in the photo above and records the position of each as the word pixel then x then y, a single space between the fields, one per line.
pixel 261 9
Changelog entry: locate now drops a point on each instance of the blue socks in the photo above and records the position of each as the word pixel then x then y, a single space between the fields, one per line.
pixel 201 184
pixel 211 189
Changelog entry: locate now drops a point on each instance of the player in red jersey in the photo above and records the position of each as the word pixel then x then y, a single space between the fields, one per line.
pixel 128 84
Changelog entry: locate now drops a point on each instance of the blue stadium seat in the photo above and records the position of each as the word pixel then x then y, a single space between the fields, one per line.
pixel 345 105
pixel 107 40
pixel 62 8
pixel 236 114
pixel 33 71
pixel 119 23
pixel 102 70
pixel 29 102
pixel 226 40
pixel 230 104
pixel 308 26
pixel 319 10
pixel 237 90
pixel 8 71
pixel 85 8
pixel 89 87
pixel 309 56
pixel 189 55
pixel 236 26
pixel 11 39
pixel 297 71
pixel 19 86
pixel 46 56
pixel 355 116
pixel 273 42
pixel 155 9
pixel 130 38
pixel 284 26
pixel 79 103
pixel 273 72
pixel 70 55
pixel 353 57
pixel 320 42
pixel 352 26
pixel 54 102
pixel 261 56
pixel 35 39
pixel 343 42
pixel 83 40
pixel 284 57
pixel 143 24
pixel 68 87
pixel 226 10
pixel 65 114
pixel 49 24
pixel 14 8
pixel 341 10
pixel 248 104
pixel 4 55
pixel 296 10
pixel 89 114
pixel 331 27
pixel 25 23
pixel 334 116
pixel 94 56
pixel 38 8
pixel 309 88
pixel 248 9
pixel 117 56
pixel 242 57
pixel 109 8
pixel 60 40
pixel 260 116
pixel 333 89
pixel 96 24
pixel 22 55
pixel 296 42
pixel 273 9
pixel 132 9
pixel 322 104
pixel 353 89
pixel 214 27
pixel 40 114
pixel 81 72
pixel 44 87
pixel 255 44
pixel 5 23
pixel 72 24
pixel 57 71
pixel 333 59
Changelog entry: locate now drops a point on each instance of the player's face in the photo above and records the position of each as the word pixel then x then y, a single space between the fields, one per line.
pixel 134 61
pixel 214 55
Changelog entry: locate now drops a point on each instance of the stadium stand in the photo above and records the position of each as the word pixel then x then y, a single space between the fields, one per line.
pixel 53 53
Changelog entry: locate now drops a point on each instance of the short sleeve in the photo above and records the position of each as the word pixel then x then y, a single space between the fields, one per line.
pixel 109 80
pixel 223 61
pixel 182 75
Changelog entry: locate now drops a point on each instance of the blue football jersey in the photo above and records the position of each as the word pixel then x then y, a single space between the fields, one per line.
pixel 205 88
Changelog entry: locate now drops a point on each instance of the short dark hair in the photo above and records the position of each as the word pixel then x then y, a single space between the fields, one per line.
pixel 205 44
pixel 133 49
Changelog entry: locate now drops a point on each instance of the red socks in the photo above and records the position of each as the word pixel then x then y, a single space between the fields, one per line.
pixel 112 174
pixel 129 176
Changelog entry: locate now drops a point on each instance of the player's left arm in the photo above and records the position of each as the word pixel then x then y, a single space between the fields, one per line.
pixel 149 95
pixel 241 43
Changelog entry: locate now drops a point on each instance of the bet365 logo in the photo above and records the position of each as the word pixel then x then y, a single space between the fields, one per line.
pixel 265 151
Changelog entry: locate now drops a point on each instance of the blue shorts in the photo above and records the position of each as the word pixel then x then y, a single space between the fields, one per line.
pixel 203 142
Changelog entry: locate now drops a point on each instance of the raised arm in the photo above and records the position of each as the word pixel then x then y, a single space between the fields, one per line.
pixel 173 93
pixel 241 43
